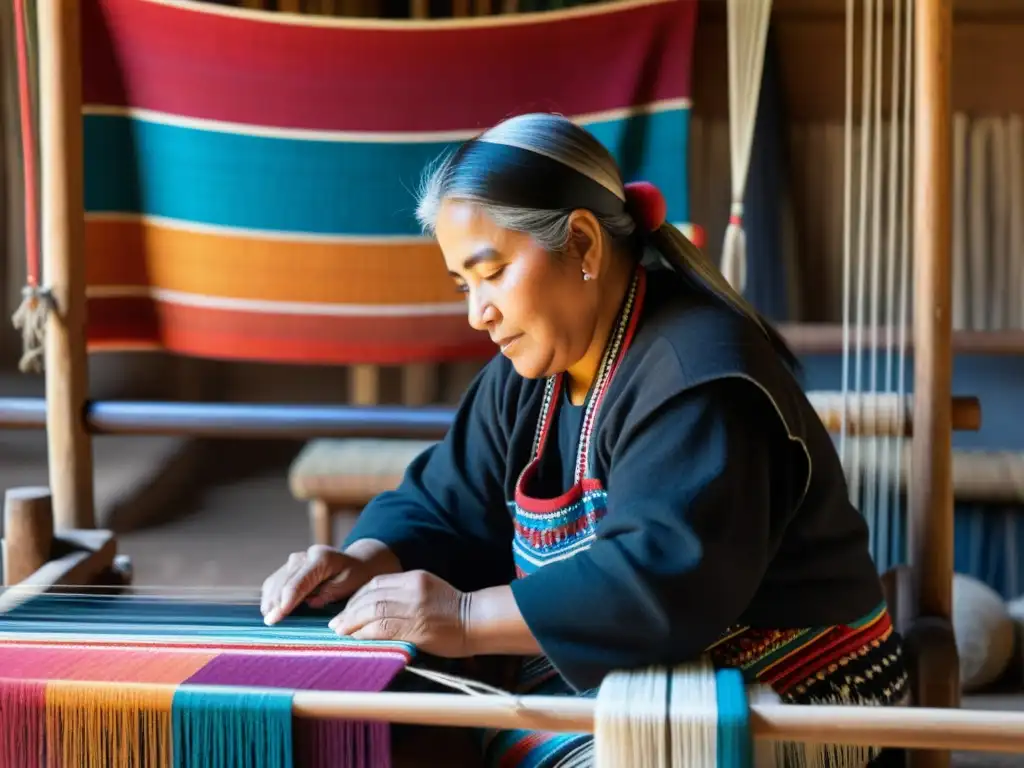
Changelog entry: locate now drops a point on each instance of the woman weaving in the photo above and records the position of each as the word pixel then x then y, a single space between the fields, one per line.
pixel 636 479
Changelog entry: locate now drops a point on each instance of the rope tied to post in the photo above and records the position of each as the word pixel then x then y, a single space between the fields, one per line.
pixel 30 317
pixel 30 320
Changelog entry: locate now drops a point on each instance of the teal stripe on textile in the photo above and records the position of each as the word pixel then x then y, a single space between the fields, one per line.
pixel 734 747
pixel 145 619
pixel 232 729
pixel 138 166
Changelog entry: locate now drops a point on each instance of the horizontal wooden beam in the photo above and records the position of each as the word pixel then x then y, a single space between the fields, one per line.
pixel 827 338
pixel 240 420
pixel 81 558
pixel 878 414
pixel 994 479
pixel 303 422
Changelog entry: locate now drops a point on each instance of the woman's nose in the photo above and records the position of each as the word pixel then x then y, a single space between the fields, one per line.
pixel 482 313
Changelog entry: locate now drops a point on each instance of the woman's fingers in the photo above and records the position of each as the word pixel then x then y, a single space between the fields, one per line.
pixel 348 580
pixel 270 595
pixel 301 575
pixel 381 604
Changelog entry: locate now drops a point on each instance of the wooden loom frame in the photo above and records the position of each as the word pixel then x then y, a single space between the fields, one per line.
pixel 926 588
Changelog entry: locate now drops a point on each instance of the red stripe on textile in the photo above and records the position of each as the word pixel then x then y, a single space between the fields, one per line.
pixel 827 650
pixel 383 79
pixel 314 339
pixel 28 147
pixel 522 748
pixel 23 704
pixel 101 664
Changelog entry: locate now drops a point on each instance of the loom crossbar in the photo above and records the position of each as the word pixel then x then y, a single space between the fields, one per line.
pixel 903 727
pixel 313 421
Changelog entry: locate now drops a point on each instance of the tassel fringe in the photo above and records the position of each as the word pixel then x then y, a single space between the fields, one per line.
pixel 734 257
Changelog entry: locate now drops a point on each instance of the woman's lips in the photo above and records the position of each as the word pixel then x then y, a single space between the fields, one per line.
pixel 507 342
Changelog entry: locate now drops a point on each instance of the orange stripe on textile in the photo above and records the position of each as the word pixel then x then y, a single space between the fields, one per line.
pixel 133 252
pixel 102 727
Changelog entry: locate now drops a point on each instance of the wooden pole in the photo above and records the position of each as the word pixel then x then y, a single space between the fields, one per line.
pixel 244 420
pixel 931 643
pixel 28 532
pixel 63 246
pixel 978 730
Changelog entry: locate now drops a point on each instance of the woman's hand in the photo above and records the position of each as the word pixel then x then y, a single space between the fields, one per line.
pixel 415 607
pixel 323 575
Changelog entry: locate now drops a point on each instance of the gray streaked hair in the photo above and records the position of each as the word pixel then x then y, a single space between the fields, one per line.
pixel 560 140
pixel 546 135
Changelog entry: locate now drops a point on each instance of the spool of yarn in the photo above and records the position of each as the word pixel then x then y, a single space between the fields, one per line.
pixel 984 632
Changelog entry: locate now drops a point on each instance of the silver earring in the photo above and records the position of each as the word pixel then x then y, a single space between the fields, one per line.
pixel 587 276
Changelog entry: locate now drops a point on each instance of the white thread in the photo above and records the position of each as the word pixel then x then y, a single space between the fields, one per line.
pixel 1015 205
pixel 961 299
pixel 980 237
pixel 847 228
pixel 747 26
pixel 876 226
pixel 464 684
pixel 1000 214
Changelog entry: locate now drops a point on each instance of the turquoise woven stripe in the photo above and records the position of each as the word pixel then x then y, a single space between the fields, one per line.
pixel 734 745
pixel 132 618
pixel 286 184
pixel 232 729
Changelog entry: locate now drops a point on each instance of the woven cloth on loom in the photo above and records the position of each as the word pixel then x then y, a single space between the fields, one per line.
pixel 59 654
pixel 249 176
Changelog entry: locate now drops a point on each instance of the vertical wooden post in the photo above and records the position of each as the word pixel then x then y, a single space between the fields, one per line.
pixel 28 532
pixel 931 642
pixel 63 246
pixel 364 384
pixel 932 511
pixel 420 383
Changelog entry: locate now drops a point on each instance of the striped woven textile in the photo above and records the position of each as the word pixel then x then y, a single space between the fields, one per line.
pixel 178 683
pixel 250 177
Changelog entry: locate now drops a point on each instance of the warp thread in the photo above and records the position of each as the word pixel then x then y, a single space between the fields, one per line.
pixel 90 726
pixel 232 729
pixel 22 704
pixel 83 715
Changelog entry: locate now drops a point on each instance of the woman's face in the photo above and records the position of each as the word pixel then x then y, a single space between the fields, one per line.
pixel 534 305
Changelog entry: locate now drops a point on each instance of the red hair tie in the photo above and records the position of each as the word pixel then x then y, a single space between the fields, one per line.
pixel 647 204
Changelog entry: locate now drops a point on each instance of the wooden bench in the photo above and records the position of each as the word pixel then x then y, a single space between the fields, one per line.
pixel 340 477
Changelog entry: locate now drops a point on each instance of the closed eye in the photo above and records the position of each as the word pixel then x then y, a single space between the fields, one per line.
pixel 496 274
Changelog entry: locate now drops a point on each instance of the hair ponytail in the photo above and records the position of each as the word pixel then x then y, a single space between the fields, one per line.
pixel 688 260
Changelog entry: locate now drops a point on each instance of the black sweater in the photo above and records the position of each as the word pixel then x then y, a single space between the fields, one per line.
pixel 727 503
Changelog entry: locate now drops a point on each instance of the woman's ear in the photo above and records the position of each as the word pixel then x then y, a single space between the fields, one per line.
pixel 586 242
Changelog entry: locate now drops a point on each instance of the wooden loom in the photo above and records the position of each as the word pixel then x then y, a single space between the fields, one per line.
pixel 69 417
pixel 30 538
